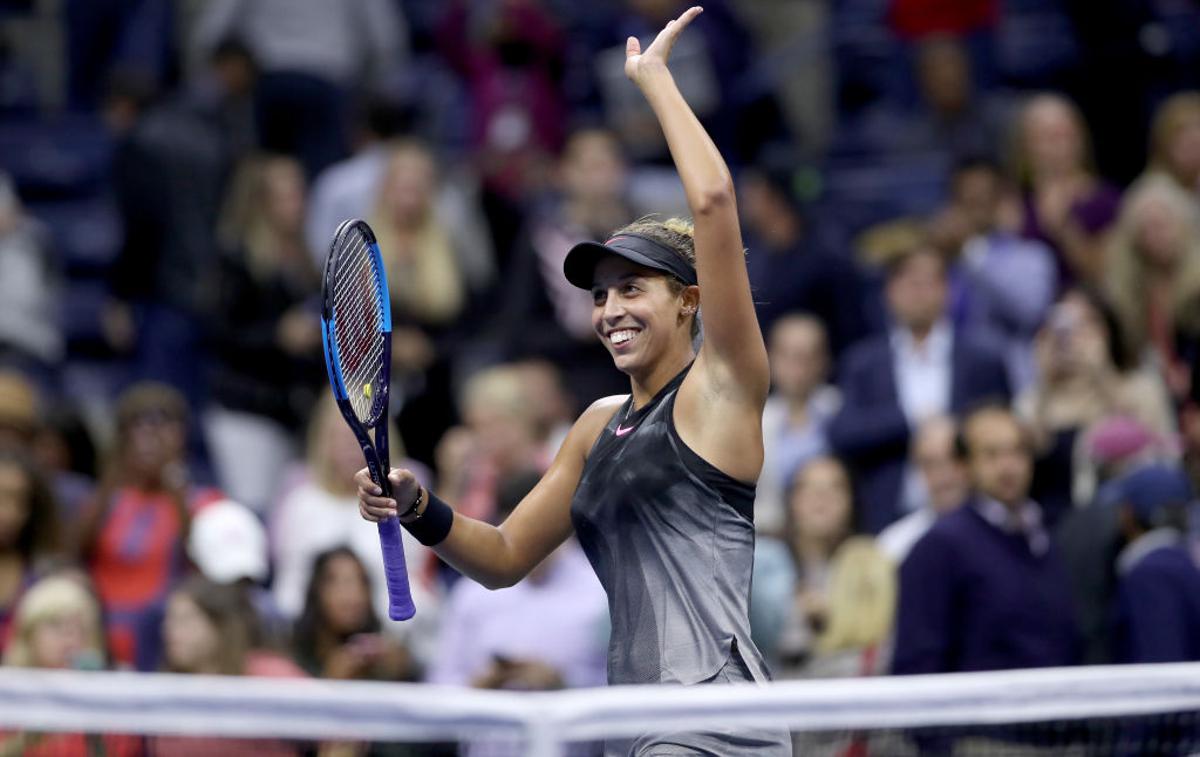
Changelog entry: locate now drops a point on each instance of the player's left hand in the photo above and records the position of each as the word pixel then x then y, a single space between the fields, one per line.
pixel 639 64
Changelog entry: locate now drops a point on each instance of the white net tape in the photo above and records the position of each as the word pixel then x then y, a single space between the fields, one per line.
pixel 314 709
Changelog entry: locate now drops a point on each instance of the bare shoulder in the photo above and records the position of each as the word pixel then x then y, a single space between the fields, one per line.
pixel 592 421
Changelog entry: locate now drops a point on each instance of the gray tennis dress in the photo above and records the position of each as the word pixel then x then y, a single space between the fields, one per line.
pixel 671 538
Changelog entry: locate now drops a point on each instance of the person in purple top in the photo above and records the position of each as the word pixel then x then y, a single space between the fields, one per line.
pixel 1157 612
pixel 1065 204
pixel 985 589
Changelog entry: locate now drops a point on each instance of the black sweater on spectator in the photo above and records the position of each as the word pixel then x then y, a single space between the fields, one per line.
pixel 974 597
pixel 250 371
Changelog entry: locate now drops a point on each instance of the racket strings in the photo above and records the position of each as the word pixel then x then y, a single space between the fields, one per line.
pixel 358 323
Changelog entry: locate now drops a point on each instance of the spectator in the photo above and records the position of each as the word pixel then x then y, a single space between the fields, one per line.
pixel 420 251
pixel 1175 142
pixel 551 405
pixel 1003 285
pixel 1089 537
pixel 132 535
pixel 1065 204
pixel 500 438
pixel 510 58
pixel 1084 377
pixel 1158 594
pixel 943 481
pixel 957 121
pixel 64 449
pixel 228 545
pixel 952 118
pixel 312 54
pixel 861 610
pixel 790 267
pixel 893 382
pixel 338 634
pixel 548 631
pixel 796 414
pixel 58 626
pixel 985 588
pixel 1153 275
pixel 349 188
pixel 29 531
pixel 169 171
pixel 789 607
pixel 266 333
pixel 209 630
pixel 319 511
pixel 18 411
pixel 223 96
pixel 856 639
pixel 544 316
pixel 31 338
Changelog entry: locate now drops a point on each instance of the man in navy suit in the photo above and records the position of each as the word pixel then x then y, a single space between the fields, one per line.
pixel 893 382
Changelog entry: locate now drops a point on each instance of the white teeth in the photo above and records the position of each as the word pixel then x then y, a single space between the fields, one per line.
pixel 622 336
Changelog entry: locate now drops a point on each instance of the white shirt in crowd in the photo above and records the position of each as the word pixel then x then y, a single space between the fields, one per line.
pixel 898 539
pixel 923 384
pixel 923 372
pixel 309 521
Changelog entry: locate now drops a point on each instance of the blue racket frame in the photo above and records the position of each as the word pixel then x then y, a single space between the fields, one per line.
pixel 375 453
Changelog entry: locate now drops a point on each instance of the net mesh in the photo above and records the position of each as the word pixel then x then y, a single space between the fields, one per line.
pixel 1133 710
pixel 358 323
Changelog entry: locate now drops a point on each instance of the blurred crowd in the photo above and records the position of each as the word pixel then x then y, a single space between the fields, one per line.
pixel 973 235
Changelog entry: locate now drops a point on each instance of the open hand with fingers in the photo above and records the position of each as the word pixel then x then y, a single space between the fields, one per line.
pixel 639 64
pixel 375 507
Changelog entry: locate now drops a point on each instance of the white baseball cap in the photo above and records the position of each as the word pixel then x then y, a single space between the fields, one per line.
pixel 228 543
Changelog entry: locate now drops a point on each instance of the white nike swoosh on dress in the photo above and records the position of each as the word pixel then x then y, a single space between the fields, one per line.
pixel 623 431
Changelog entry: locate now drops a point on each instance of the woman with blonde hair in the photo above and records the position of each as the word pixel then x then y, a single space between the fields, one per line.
pixel 1175 142
pixel 1065 204
pixel 1153 274
pixel 861 602
pixel 856 640
pixel 266 335
pixel 58 626
pixel 424 277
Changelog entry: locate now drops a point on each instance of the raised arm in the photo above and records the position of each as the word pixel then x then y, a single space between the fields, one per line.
pixel 499 556
pixel 733 352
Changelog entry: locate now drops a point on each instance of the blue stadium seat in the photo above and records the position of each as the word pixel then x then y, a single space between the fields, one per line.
pixel 1035 42
pixel 863 192
pixel 66 156
pixel 86 232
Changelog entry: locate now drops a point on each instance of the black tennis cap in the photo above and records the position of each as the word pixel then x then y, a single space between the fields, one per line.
pixel 580 264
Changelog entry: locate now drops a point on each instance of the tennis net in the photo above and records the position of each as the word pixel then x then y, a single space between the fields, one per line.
pixel 1125 710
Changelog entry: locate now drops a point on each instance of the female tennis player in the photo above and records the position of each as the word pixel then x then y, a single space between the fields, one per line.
pixel 658 485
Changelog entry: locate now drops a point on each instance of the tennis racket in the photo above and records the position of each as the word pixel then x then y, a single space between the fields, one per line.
pixel 356 332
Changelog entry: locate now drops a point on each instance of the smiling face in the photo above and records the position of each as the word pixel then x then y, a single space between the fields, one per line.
pixel 638 315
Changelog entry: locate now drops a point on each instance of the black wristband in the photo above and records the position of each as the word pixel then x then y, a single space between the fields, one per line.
pixel 433 525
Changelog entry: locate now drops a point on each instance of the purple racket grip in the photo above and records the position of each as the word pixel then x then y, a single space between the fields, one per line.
pixel 400 604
